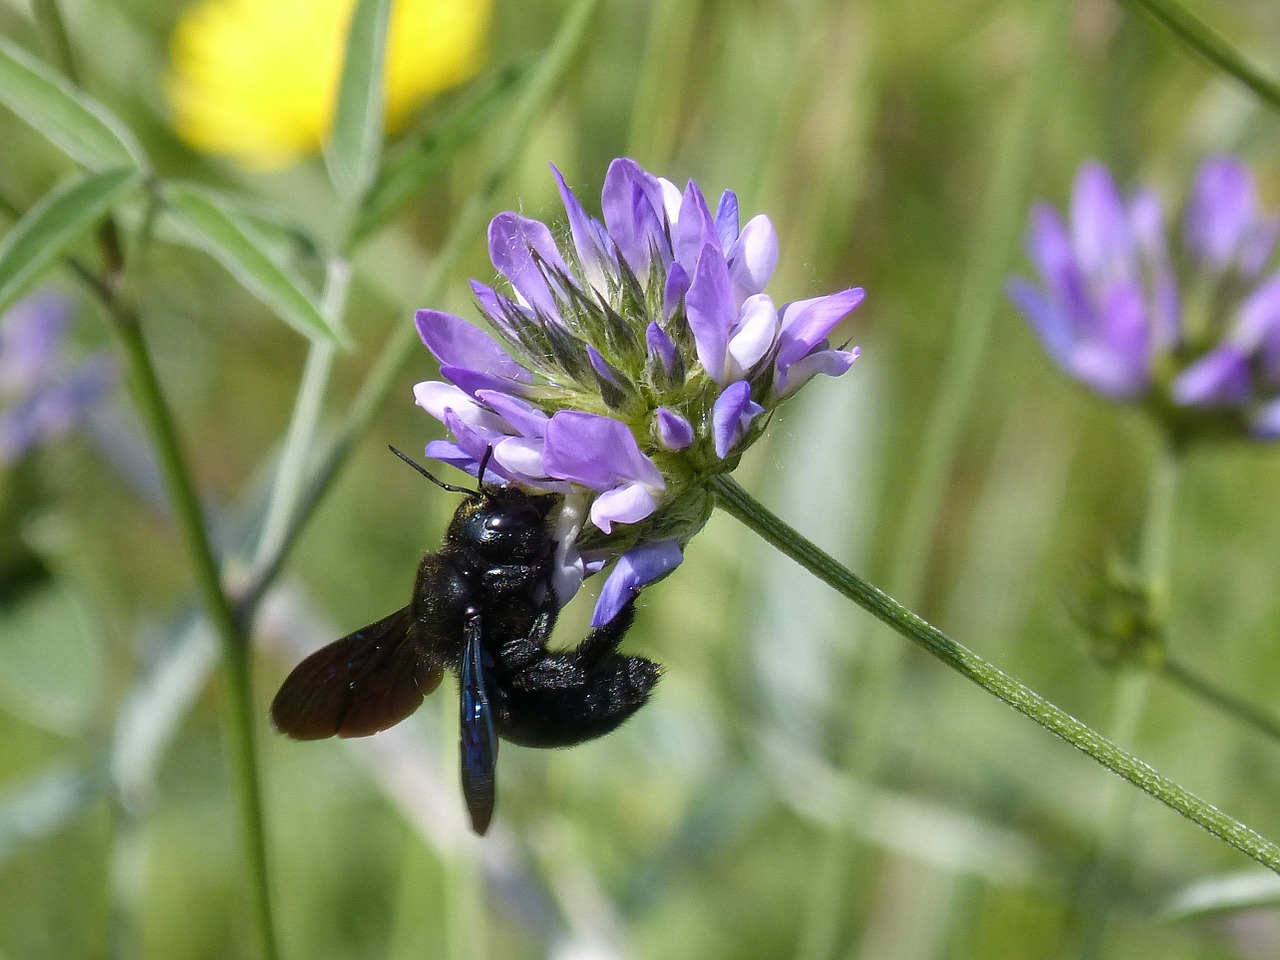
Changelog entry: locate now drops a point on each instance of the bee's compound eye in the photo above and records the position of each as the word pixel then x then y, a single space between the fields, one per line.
pixel 516 516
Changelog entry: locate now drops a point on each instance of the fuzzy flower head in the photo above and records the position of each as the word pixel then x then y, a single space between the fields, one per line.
pixel 43 393
pixel 256 80
pixel 630 362
pixel 1186 322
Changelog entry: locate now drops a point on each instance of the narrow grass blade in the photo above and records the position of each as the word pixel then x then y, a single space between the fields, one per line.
pixel 46 230
pixel 76 124
pixel 216 230
pixel 355 141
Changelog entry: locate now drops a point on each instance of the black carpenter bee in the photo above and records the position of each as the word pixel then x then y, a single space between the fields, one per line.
pixel 483 608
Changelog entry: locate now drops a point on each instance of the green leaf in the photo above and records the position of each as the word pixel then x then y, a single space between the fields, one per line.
pixel 204 216
pixel 355 142
pixel 78 125
pixel 46 230
pixel 405 175
pixel 1223 894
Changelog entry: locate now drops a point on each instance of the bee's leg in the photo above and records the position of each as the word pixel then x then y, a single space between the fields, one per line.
pixel 603 641
pixel 519 653
pixel 597 654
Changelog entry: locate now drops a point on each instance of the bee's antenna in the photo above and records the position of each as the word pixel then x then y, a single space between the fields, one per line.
pixel 436 480
pixel 484 463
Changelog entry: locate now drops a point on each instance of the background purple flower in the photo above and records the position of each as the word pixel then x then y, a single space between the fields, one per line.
pixel 1186 321
pixel 43 392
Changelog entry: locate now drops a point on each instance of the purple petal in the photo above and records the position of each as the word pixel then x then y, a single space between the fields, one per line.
pixel 476 443
pixel 496 307
pixel 1259 245
pixel 1049 248
pixel 1220 211
pixel 1147 216
pixel 1219 378
pixel 637 568
pixel 458 343
pixel 832 363
pixel 753 258
pixel 674 431
pixel 660 345
pixel 439 398
pixel 806 323
pixel 520 456
pixel 696 229
pixel 1046 317
pixel 473 381
pixel 676 289
pixel 727 219
pixel 589 238
pixel 54 405
pixel 634 214
pixel 757 330
pixel 447 451
pixel 522 250
pixel 32 334
pixel 600 365
pixel 1100 232
pixel 597 452
pixel 732 414
pixel 1116 359
pixel 1265 424
pixel 524 417
pixel 628 503
pixel 710 308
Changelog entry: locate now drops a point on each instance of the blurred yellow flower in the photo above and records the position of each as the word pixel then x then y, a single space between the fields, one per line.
pixel 256 79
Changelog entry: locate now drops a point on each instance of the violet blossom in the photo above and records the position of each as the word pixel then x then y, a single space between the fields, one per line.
pixel 43 392
pixel 629 362
pixel 1185 322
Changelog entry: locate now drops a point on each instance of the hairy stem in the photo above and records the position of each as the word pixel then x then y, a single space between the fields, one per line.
pixel 741 505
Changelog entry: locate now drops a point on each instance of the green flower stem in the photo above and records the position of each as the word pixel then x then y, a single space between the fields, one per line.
pixel 402 344
pixel 149 398
pixel 1132 695
pixel 1197 35
pixel 740 504
pixel 1254 716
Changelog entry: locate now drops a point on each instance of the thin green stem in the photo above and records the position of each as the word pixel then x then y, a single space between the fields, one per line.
pixel 144 384
pixel 149 397
pixel 741 505
pixel 1197 36
pixel 49 18
pixel 1261 720
pixel 1132 695
pixel 401 346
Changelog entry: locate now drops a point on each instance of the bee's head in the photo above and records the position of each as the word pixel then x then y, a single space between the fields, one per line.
pixel 502 524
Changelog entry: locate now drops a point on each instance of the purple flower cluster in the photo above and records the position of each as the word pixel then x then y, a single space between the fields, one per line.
pixel 43 394
pixel 631 362
pixel 1188 324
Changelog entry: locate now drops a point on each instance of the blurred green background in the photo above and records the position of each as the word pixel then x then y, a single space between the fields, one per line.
pixel 804 784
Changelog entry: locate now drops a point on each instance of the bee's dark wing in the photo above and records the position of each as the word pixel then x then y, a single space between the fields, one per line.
pixel 365 682
pixel 477 738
